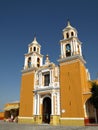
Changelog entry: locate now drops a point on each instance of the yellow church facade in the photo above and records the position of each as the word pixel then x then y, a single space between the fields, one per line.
pixel 56 94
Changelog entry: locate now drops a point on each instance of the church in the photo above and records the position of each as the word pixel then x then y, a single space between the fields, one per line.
pixel 56 94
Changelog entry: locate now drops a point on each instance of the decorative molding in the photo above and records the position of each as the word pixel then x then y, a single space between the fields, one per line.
pixel 85 93
pixel 45 89
pixel 23 117
pixel 29 69
pixel 71 58
pixel 72 118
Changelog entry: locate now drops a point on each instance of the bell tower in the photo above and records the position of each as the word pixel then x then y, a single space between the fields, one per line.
pixel 70 45
pixel 33 60
pixel 73 77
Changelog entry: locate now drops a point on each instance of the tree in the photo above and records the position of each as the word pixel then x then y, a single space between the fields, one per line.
pixel 94 97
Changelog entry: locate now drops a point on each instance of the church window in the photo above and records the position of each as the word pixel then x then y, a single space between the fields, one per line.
pixel 29 62
pixel 78 49
pixel 34 48
pixel 67 35
pixel 68 50
pixel 46 79
pixel 30 49
pixel 72 34
pixel 38 62
pixel 38 50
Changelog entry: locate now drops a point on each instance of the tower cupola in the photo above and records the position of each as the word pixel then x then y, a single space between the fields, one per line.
pixel 70 44
pixel 69 31
pixel 33 58
pixel 34 46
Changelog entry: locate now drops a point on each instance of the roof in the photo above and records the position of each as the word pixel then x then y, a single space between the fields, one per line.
pixel 34 42
pixel 68 27
pixel 12 105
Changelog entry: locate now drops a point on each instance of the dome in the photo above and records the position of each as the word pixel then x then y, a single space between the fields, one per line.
pixel 69 31
pixel 69 27
pixel 35 41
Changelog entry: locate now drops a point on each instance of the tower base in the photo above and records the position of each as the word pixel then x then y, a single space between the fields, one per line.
pixel 72 121
pixel 25 120
pixel 55 120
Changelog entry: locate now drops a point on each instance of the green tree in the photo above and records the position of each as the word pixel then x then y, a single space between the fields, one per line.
pixel 94 97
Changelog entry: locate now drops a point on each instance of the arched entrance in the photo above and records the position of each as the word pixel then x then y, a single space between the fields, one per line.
pixel 90 112
pixel 46 109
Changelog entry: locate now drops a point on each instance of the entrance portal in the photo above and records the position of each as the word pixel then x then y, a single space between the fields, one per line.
pixel 91 112
pixel 46 110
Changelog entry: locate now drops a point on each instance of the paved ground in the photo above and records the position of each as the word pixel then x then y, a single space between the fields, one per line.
pixel 15 126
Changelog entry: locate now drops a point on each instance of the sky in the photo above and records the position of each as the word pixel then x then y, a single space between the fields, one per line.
pixel 20 20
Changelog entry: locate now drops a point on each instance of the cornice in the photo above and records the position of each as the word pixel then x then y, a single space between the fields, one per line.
pixel 45 89
pixel 71 58
pixel 86 93
pixel 27 54
pixel 45 67
pixel 70 39
pixel 29 70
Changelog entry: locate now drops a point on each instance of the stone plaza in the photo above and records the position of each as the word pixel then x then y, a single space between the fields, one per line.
pixel 16 126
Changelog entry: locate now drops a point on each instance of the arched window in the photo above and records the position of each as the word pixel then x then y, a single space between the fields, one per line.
pixel 30 49
pixel 38 50
pixel 34 48
pixel 29 62
pixel 78 49
pixel 38 62
pixel 72 34
pixel 68 50
pixel 67 35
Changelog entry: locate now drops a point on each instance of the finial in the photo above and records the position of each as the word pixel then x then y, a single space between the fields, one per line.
pixel 34 36
pixel 68 22
pixel 47 61
pixel 47 57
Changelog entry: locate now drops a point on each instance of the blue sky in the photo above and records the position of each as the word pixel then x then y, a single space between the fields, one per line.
pixel 21 19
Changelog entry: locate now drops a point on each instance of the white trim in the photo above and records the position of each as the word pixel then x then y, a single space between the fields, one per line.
pixel 86 93
pixel 85 110
pixel 51 77
pixel 58 103
pixel 71 48
pixel 72 118
pixel 61 49
pixel 23 117
pixel 52 104
pixel 38 104
pixel 55 102
pixel 46 95
pixel 71 59
pixel 46 88
pixel 45 70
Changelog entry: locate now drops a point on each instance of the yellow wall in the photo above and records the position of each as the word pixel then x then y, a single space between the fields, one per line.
pixel 26 94
pixel 71 84
pixel 1 115
pixel 84 79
